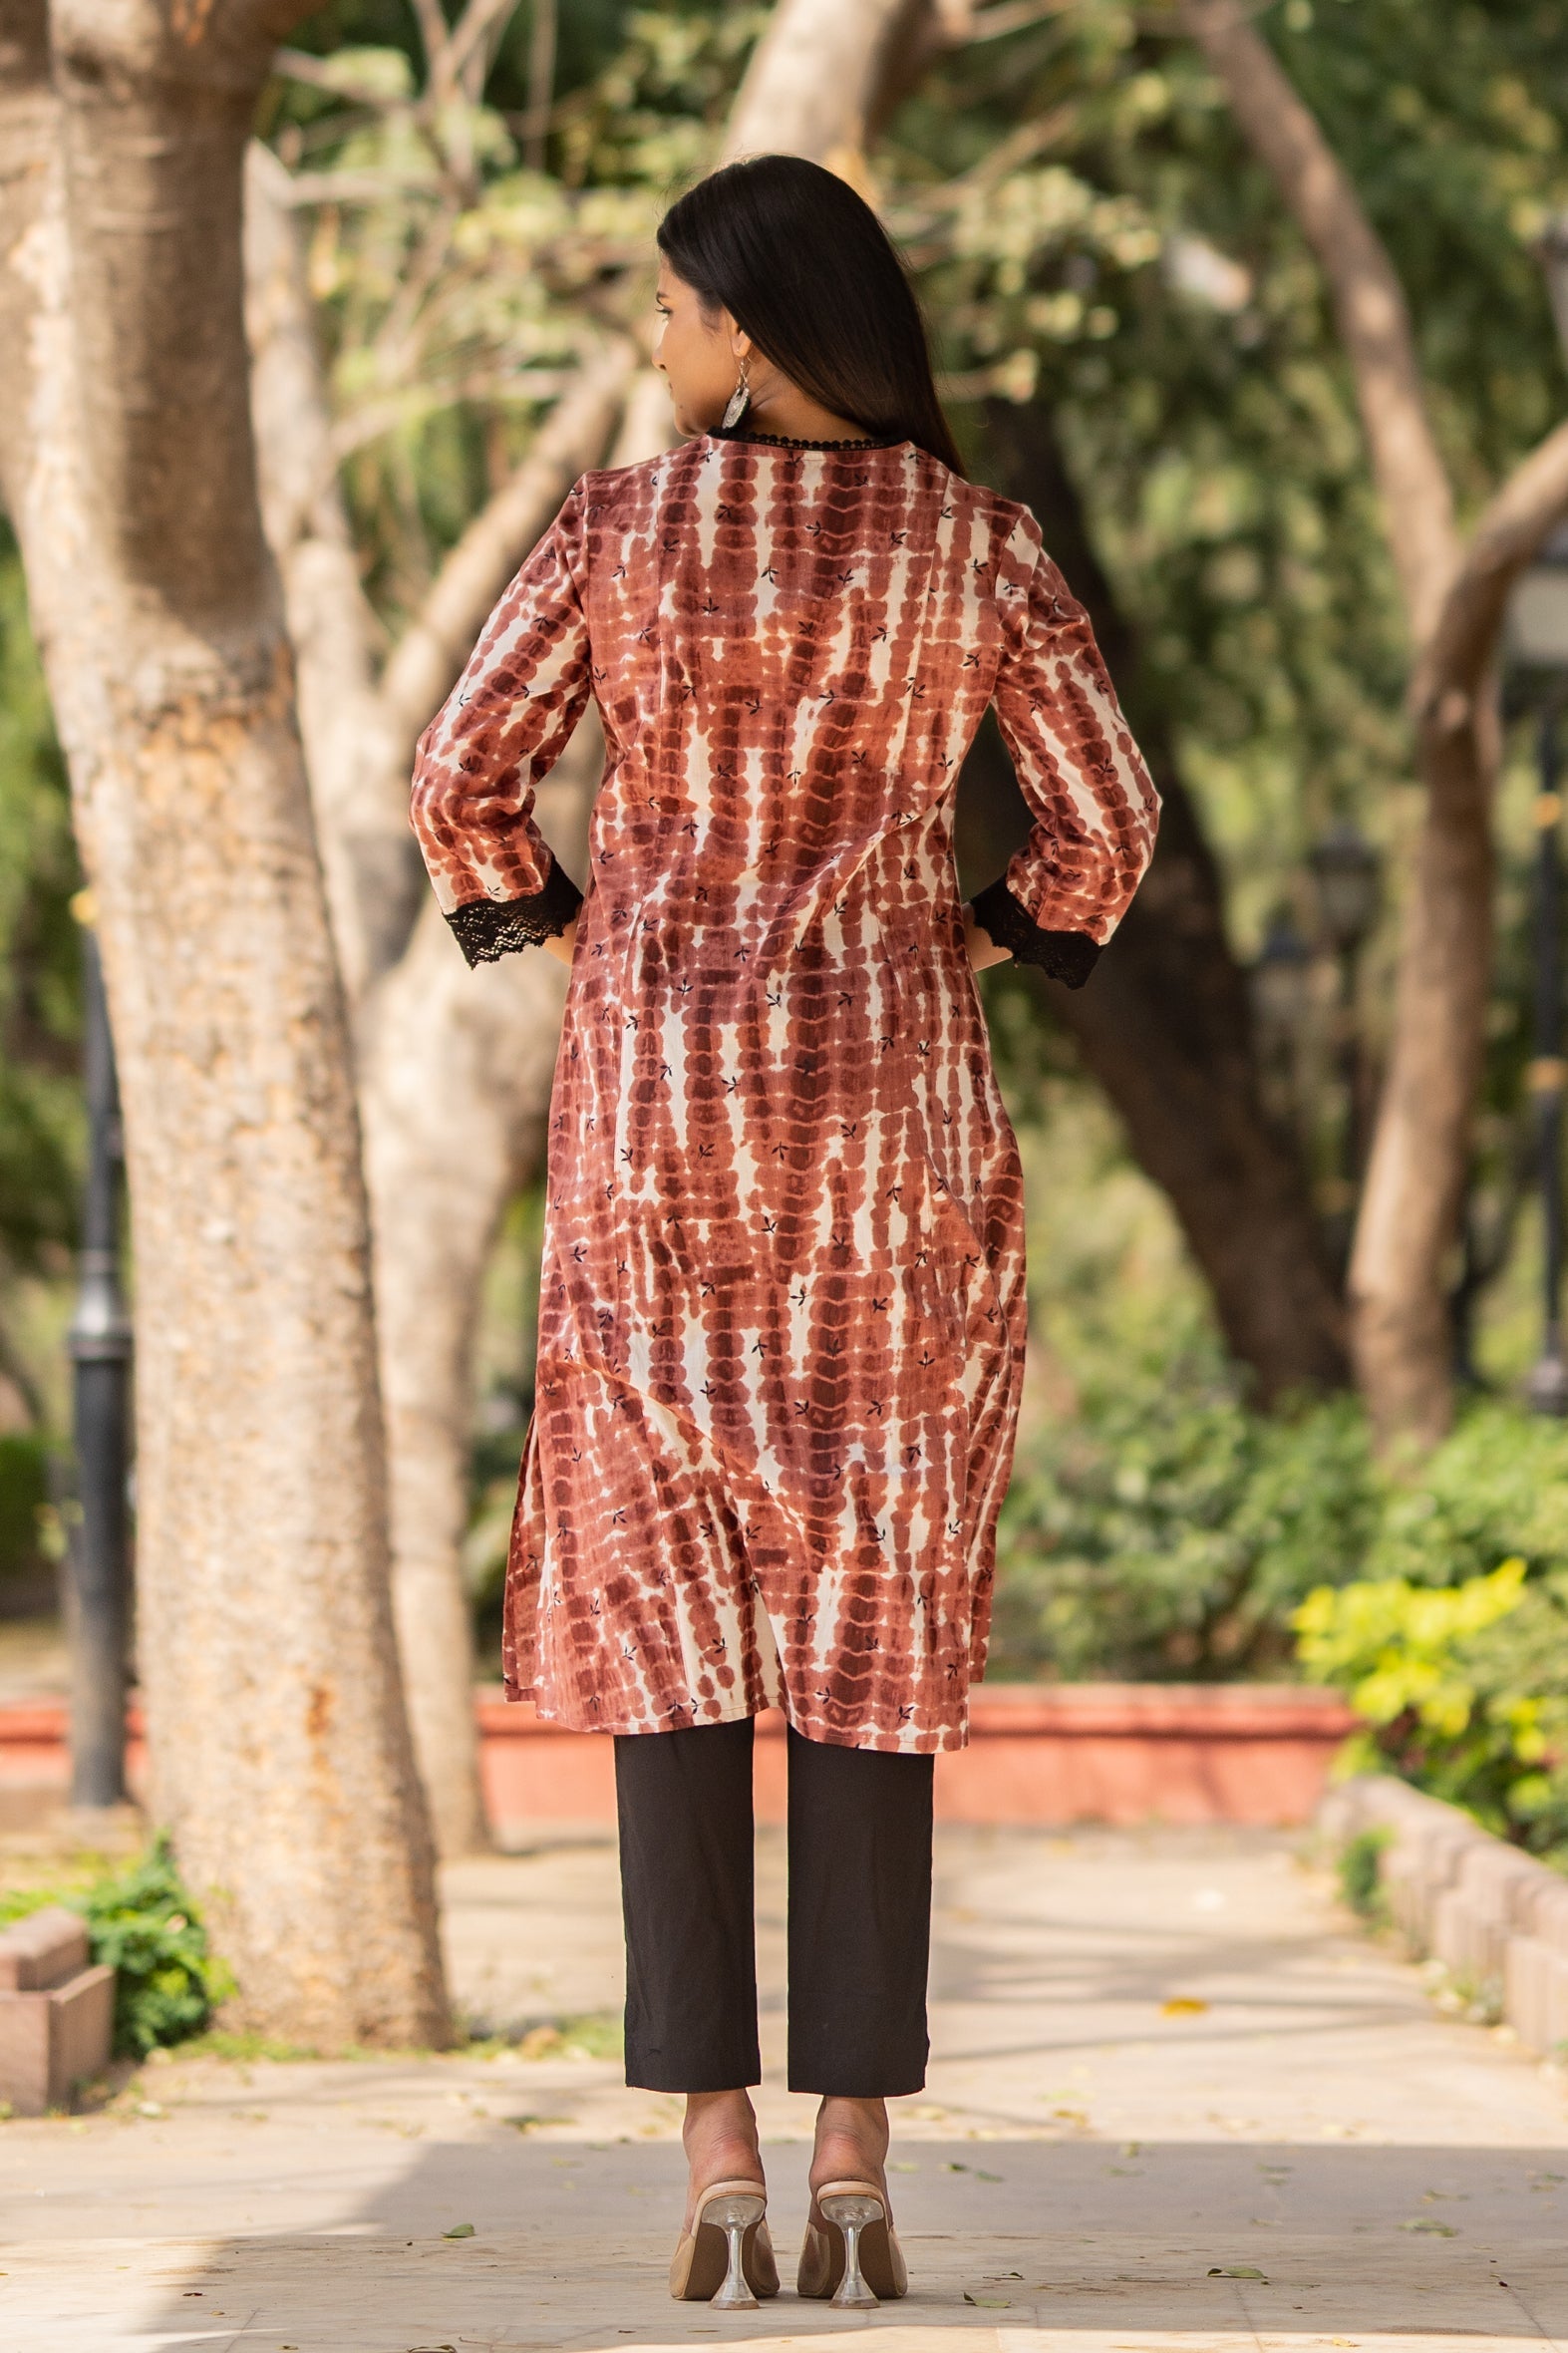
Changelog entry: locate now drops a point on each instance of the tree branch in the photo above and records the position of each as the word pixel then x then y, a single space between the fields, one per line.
pixel 433 650
pixel 435 34
pixel 358 780
pixel 29 139
pixel 469 52
pixel 1456 661
pixel 1368 303
pixel 814 78
pixel 1414 1188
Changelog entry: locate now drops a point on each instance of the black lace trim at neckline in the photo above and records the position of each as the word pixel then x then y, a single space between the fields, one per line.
pixel 785 441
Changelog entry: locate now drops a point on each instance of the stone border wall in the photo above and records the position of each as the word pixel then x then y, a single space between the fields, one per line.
pixel 1496 1919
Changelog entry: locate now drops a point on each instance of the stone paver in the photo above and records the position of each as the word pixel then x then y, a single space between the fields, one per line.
pixel 1176 2102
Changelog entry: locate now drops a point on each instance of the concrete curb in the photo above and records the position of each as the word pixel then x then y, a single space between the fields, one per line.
pixel 1495 1918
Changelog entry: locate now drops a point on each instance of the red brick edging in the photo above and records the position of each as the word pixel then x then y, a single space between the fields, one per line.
pixel 1070 1752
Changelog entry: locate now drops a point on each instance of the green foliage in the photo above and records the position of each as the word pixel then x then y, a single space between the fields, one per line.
pixel 1160 1529
pixel 1361 1874
pixel 1392 1645
pixel 1497 1489
pixel 147 1927
pixel 40 954
pixel 592 2034
pixel 248 2048
pixel 23 1498
pixel 1464 1690
pixel 143 1924
pixel 1165 1530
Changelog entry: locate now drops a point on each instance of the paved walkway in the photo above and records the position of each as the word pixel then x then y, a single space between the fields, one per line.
pixel 1177 2102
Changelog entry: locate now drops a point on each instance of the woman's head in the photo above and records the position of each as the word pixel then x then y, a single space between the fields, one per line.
pixel 779 261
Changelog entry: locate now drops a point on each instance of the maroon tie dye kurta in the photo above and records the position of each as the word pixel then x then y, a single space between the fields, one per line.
pixel 781 1324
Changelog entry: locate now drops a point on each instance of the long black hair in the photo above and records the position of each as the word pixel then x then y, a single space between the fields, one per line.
pixel 805 267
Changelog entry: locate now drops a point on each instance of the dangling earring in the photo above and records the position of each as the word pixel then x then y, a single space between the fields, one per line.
pixel 739 400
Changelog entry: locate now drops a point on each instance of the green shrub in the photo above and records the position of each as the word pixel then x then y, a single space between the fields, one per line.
pixel 147 1925
pixel 1465 1691
pixel 1361 1874
pixel 1495 1490
pixel 1167 1531
pixel 144 1925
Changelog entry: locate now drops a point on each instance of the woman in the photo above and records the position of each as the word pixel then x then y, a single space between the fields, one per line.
pixel 782 1322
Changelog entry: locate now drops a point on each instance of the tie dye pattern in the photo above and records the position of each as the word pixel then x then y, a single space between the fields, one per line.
pixel 782 1322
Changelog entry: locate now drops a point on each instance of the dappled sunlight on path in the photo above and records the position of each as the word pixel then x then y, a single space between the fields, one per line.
pixel 1176 2101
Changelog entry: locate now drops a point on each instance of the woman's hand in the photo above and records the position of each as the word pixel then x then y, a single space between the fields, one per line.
pixel 562 943
pixel 983 949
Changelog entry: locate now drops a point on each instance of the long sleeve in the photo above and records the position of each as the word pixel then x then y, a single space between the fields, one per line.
pixel 500 731
pixel 1094 802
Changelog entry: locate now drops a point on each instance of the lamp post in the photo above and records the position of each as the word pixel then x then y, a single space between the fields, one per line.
pixel 1536 642
pixel 98 1564
pixel 1281 981
pixel 1281 990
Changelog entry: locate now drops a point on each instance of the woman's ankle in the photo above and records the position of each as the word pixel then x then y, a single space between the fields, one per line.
pixel 852 2141
pixel 720 2137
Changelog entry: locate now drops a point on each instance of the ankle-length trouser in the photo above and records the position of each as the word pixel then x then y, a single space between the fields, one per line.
pixel 859 1846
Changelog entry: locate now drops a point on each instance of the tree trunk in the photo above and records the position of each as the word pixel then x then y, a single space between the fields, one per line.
pixel 453 1108
pixel 815 78
pixel 280 1750
pixel 1407 1222
pixel 1165 1025
pixel 352 747
pixel 1413 1194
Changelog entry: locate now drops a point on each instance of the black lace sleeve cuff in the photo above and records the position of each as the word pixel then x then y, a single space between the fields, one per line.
pixel 1067 956
pixel 489 929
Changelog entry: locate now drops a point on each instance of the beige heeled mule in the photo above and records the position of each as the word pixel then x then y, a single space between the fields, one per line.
pixel 852 2251
pixel 727 2258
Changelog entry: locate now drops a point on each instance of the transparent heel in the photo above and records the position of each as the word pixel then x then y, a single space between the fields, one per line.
pixel 850 2253
pixel 852 2215
pixel 727 2256
pixel 733 2213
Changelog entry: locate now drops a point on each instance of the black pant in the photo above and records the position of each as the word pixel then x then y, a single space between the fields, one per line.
pixel 859 1913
